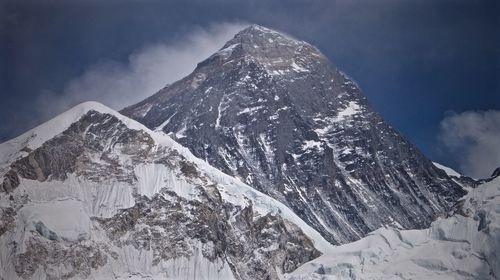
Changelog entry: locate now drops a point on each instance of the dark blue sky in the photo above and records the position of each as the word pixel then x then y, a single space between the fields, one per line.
pixel 416 60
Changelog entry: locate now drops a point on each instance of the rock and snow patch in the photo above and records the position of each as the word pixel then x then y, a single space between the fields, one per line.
pixel 344 115
pixel 55 220
pixel 311 144
pixel 94 199
pixel 227 51
pixel 352 109
pixel 151 178
pixel 193 267
pixel 16 148
pixel 297 68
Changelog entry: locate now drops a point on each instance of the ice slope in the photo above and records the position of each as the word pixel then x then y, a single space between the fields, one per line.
pixel 463 246
pixel 448 170
pixel 62 210
pixel 72 222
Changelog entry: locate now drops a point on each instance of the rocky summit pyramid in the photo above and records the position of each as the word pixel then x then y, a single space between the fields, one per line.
pixel 274 112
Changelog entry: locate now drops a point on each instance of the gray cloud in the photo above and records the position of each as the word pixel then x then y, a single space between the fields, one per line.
pixel 474 138
pixel 147 70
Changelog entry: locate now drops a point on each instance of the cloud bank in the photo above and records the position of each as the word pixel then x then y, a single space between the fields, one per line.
pixel 117 84
pixel 474 138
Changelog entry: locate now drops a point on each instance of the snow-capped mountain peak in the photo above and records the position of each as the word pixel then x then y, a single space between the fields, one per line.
pixel 274 112
pixel 276 53
pixel 259 40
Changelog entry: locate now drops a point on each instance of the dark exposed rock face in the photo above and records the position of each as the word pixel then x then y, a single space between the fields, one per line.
pixel 6 219
pixel 99 149
pixel 10 181
pixel 59 260
pixel 276 113
pixel 254 246
pixel 496 173
pixel 70 151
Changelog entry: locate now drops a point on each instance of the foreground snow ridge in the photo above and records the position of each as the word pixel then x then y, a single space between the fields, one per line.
pixel 79 210
pixel 463 246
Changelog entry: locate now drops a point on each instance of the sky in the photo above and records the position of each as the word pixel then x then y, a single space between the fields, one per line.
pixel 431 68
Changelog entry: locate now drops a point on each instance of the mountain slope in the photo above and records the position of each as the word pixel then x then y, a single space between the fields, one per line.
pixel 92 194
pixel 274 112
pixel 463 246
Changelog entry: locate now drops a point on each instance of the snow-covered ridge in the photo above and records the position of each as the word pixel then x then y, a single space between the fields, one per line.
pixel 449 171
pixel 34 138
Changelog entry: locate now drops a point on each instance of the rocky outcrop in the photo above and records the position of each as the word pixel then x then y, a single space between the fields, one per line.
pixel 496 173
pixel 10 181
pixel 6 219
pixel 56 260
pixel 254 246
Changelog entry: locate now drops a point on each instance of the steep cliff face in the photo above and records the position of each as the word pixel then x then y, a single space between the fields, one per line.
pixel 274 112
pixel 93 194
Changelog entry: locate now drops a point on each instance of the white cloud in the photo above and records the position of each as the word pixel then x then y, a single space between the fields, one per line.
pixel 147 70
pixel 474 138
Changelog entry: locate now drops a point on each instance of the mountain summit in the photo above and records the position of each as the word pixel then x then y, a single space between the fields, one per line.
pixel 272 50
pixel 274 112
